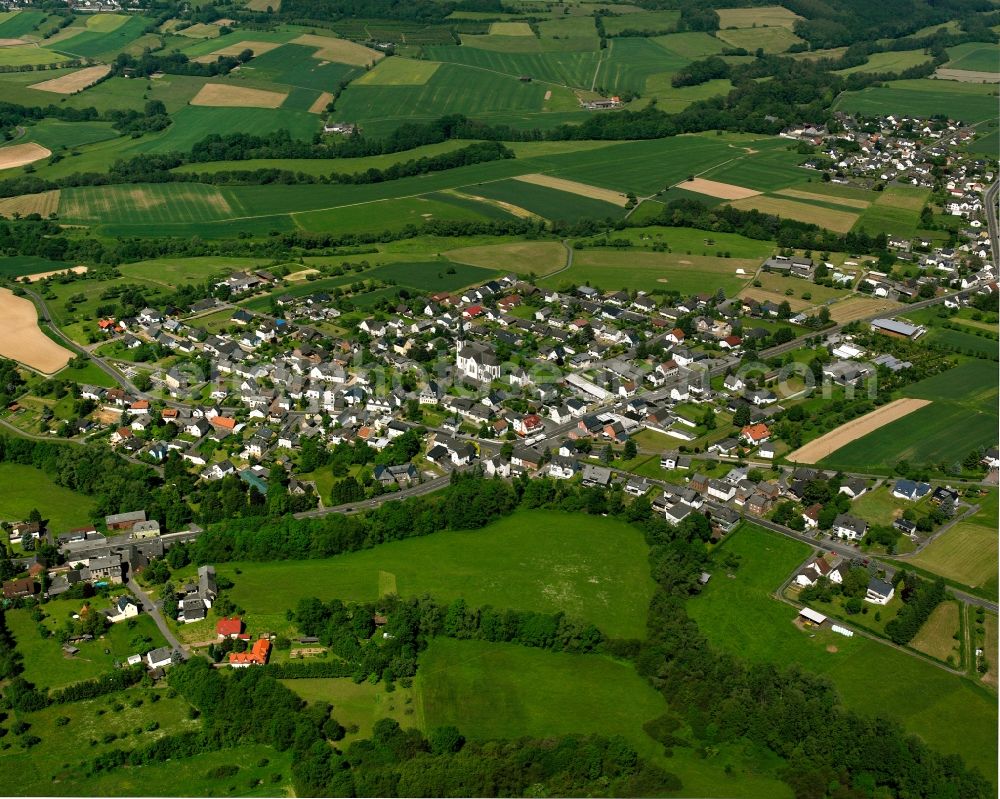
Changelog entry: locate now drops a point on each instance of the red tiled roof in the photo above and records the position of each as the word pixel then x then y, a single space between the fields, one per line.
pixel 229 626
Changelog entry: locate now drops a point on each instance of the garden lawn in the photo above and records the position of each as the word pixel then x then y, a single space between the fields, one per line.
pixel 590 568
pixel 25 488
pixel 740 616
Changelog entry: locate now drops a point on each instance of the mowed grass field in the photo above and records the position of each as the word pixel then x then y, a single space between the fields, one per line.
pixel 967 553
pixel 961 417
pixel 538 257
pixel 974 57
pixel 895 212
pixel 936 637
pixel 740 616
pixel 587 567
pixel 968 102
pixel 649 271
pixel 26 488
pixel 772 40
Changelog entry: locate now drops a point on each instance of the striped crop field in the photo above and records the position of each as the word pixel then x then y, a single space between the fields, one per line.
pixel 139 204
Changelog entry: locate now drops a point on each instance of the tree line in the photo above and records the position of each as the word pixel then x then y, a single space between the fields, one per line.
pixel 920 598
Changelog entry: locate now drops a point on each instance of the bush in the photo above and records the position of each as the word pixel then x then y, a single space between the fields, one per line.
pixel 222 772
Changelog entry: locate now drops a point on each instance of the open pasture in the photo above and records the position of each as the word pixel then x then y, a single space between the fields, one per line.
pixel 590 568
pixel 649 271
pixel 659 21
pixel 691 45
pixel 23 341
pixel 342 51
pixel 698 242
pixel 771 40
pixel 74 82
pixel 758 17
pixel 510 29
pixel 968 102
pixel 399 72
pixel 431 276
pixel 538 257
pixel 837 221
pixel 740 616
pixel 224 95
pixel 27 488
pixel 892 61
pixel 23 54
pixel 972 56
pixel 493 690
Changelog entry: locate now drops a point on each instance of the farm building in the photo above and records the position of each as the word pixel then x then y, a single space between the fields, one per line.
pixel 893 327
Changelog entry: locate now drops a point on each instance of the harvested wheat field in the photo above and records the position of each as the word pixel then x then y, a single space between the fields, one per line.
pixel 220 95
pixel 258 48
pixel 320 103
pixel 76 270
pixel 73 82
pixel 798 194
pixel 21 154
pixel 13 42
pixel 22 340
pixel 856 428
pixel 860 307
pixel 713 188
pixel 571 186
pixel 44 203
pixel 302 274
pixel 837 221
pixel 339 50
pixel 967 75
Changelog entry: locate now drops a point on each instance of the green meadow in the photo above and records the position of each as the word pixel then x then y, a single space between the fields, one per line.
pixel 969 102
pixel 589 568
pixel 740 615
pixel 26 488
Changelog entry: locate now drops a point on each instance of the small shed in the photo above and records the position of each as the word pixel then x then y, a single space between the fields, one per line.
pixel 813 616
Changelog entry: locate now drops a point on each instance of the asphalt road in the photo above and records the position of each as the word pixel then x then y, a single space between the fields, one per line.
pixel 990 200
pixel 153 609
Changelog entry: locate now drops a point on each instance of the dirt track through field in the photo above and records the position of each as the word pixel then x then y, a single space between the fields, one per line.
pixel 73 82
pixel 571 186
pixel 22 339
pixel 713 188
pixel 856 428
